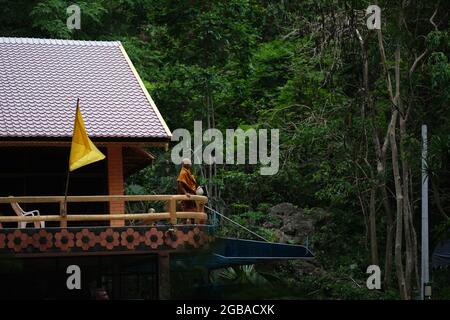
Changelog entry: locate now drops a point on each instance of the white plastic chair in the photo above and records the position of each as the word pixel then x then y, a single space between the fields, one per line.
pixel 20 212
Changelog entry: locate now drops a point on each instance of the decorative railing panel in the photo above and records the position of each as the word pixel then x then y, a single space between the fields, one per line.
pixel 104 239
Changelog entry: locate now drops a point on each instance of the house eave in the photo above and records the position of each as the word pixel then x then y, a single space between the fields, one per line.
pixel 100 141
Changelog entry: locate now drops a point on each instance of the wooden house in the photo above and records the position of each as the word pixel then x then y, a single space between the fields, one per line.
pixel 125 253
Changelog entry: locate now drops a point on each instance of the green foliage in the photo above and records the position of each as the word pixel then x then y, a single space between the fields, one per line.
pixel 239 275
pixel 339 287
pixel 291 65
pixel 49 17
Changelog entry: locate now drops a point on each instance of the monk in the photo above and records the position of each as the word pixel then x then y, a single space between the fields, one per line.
pixel 187 185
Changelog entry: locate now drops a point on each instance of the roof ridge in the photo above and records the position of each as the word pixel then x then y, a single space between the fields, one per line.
pixel 14 40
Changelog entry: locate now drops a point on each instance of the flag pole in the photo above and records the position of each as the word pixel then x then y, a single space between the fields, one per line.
pixel 65 193
pixel 64 208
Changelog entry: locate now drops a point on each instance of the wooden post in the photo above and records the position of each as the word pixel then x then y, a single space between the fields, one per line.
pixel 200 208
pixel 173 211
pixel 163 276
pixel 63 213
pixel 115 181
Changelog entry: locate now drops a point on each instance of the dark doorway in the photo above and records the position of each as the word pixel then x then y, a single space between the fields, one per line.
pixel 42 171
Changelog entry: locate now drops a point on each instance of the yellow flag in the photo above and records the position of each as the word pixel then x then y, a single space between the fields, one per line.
pixel 82 151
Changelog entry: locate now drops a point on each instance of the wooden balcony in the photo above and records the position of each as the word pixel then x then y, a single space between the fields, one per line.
pixel 166 231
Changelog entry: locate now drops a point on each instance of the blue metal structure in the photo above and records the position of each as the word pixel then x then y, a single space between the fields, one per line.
pixel 228 252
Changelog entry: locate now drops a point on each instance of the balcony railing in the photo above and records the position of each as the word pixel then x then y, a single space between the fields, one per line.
pixel 171 215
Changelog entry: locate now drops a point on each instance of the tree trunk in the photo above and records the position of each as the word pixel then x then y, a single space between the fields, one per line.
pixel 381 178
pixel 373 228
pixel 373 192
pixel 399 225
pixel 389 239
pixel 409 267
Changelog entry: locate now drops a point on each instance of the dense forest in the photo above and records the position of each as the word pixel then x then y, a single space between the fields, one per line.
pixel 349 103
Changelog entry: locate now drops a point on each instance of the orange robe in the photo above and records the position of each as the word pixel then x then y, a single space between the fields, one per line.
pixel 190 185
pixel 188 180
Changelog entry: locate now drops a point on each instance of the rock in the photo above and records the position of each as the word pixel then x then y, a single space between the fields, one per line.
pixel 285 209
pixel 295 225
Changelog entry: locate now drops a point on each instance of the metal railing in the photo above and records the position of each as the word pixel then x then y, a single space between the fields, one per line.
pixel 172 215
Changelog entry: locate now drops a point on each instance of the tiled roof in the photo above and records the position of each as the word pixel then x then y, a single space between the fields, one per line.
pixel 41 79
